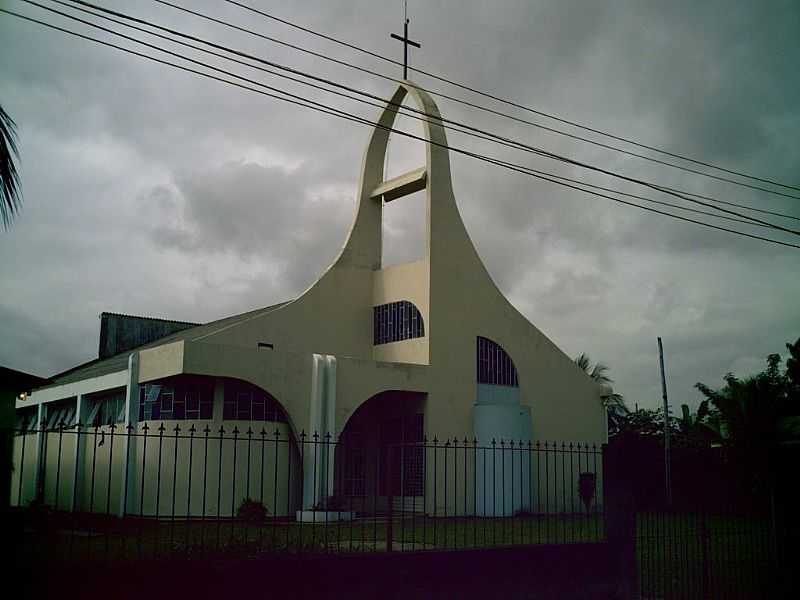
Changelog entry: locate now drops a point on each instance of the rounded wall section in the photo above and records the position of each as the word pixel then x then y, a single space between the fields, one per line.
pixel 166 467
pixel 206 468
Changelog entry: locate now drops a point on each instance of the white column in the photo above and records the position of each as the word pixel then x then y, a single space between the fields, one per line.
pixel 330 422
pixel 310 450
pixel 218 405
pixel 318 474
pixel 81 404
pixel 128 480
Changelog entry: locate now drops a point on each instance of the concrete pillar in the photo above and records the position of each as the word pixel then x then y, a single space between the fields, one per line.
pixel 41 422
pixel 127 484
pixel 218 405
pixel 318 451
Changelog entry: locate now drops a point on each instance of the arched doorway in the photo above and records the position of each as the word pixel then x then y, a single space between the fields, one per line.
pixel 380 454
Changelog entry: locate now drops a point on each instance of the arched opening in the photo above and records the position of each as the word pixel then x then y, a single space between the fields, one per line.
pixel 404 229
pixel 380 456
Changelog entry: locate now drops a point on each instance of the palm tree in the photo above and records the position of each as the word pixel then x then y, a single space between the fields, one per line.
pixel 614 403
pixel 754 411
pixel 10 192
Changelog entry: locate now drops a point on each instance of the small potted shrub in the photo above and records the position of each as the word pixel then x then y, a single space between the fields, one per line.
pixel 252 511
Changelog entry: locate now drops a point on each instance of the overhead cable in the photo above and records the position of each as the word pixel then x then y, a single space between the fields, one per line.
pixel 499 139
pixel 354 118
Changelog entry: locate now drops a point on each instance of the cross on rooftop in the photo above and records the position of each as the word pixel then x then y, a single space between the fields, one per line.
pixel 406 42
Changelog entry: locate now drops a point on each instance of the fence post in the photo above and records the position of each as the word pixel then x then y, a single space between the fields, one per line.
pixel 390 501
pixel 620 519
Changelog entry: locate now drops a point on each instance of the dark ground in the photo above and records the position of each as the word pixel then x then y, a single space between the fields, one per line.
pixel 543 573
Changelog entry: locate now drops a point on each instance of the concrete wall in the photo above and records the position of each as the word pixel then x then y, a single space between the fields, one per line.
pixel 457 298
pixel 222 471
pixel 190 478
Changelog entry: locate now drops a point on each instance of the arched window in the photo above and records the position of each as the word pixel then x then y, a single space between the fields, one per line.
pixel 494 365
pixel 396 321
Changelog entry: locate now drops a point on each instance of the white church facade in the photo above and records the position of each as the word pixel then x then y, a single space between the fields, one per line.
pixel 406 353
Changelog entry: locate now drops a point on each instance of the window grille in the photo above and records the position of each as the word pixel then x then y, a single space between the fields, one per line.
pixel 106 409
pixel 245 402
pixel 180 399
pixel 355 463
pixel 396 321
pixel 27 418
pixel 399 437
pixel 60 413
pixel 494 365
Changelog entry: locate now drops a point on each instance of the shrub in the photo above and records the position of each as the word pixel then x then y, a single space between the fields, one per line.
pixel 252 511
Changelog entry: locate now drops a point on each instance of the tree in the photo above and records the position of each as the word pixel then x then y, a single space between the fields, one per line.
pixel 645 422
pixel 614 403
pixel 759 410
pixel 754 414
pixel 793 377
pixel 10 190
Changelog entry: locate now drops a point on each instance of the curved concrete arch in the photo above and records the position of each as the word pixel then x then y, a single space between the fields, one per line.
pixel 361 407
pixel 289 420
pixel 363 245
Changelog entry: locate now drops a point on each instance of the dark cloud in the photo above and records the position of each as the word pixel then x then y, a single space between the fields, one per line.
pixel 155 192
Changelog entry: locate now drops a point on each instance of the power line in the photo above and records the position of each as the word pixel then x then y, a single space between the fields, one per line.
pixel 504 100
pixel 513 144
pixel 498 99
pixel 494 161
pixel 381 106
pixel 350 117
pixel 496 138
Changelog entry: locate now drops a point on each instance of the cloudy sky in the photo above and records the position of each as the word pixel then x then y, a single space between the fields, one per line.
pixel 152 191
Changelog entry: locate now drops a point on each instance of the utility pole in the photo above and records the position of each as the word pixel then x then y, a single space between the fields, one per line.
pixel 667 457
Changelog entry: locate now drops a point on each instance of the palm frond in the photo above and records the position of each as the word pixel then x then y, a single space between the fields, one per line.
pixel 584 362
pixel 10 188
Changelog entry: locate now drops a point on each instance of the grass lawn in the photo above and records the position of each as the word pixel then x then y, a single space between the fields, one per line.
pixel 117 540
pixel 687 556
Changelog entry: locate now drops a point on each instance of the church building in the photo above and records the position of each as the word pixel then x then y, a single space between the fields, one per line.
pixel 369 353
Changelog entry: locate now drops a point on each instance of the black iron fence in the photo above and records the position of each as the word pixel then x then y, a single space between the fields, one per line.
pixel 162 489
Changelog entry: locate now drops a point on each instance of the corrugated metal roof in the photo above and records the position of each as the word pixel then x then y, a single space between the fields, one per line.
pixel 119 362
